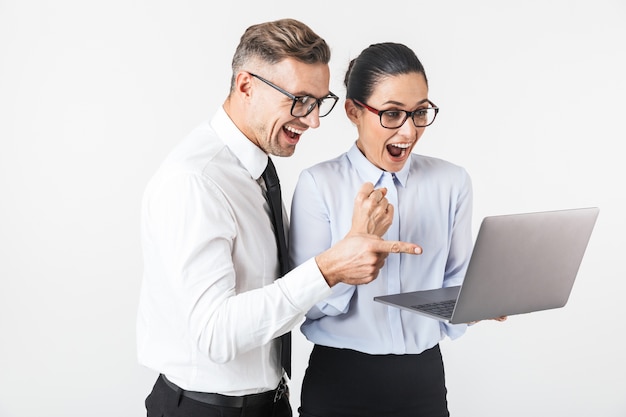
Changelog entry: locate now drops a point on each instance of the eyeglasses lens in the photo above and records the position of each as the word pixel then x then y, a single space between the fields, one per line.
pixel 395 119
pixel 305 105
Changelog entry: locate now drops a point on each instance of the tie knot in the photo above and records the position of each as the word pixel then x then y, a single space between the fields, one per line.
pixel 270 176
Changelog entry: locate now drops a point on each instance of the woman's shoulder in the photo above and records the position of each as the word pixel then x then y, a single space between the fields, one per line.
pixel 421 162
pixel 439 171
pixel 329 167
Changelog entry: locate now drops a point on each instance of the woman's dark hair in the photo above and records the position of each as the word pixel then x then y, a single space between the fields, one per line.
pixel 376 62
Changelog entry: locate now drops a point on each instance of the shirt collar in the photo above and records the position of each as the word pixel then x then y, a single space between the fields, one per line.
pixel 253 158
pixel 370 172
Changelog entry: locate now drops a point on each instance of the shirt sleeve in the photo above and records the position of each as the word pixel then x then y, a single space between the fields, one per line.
pixel 461 244
pixel 190 229
pixel 310 234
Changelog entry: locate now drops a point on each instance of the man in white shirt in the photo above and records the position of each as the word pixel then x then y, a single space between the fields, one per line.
pixel 212 308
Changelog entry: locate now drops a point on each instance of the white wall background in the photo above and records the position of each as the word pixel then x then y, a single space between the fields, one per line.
pixel 94 94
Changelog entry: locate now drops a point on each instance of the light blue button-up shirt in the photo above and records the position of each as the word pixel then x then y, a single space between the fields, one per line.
pixel 433 208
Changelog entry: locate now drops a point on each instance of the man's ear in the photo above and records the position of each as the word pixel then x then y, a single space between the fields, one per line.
pixel 352 111
pixel 243 83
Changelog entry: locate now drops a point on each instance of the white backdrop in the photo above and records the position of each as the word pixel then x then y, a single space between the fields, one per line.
pixel 94 94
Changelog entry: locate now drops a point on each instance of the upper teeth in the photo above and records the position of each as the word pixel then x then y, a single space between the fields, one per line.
pixel 401 145
pixel 296 131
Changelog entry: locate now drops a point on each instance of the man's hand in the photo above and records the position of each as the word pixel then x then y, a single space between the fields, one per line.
pixel 357 258
pixel 372 212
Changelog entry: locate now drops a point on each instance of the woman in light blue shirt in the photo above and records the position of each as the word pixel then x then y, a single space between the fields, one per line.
pixel 370 359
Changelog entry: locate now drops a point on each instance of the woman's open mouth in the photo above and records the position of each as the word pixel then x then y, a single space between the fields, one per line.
pixel 398 150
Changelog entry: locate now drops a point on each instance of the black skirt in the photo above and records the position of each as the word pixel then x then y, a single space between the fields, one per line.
pixel 347 383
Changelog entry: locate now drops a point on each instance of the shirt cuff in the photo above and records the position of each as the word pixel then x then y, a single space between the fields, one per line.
pixel 305 286
pixel 454 331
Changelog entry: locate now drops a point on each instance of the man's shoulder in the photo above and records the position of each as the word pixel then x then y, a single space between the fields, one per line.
pixel 200 152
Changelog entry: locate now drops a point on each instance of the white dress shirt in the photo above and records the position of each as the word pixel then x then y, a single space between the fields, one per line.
pixel 433 208
pixel 210 306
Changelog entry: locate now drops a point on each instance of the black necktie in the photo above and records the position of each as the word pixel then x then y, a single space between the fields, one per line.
pixel 276 207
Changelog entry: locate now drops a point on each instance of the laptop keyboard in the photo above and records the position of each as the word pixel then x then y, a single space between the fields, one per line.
pixel 441 308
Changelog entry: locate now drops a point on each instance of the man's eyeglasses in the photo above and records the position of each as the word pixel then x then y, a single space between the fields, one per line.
pixel 303 105
pixel 393 119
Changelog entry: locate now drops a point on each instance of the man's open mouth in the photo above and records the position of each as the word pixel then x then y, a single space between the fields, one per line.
pixel 292 132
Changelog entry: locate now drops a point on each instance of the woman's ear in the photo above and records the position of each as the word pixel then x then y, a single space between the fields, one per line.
pixel 352 111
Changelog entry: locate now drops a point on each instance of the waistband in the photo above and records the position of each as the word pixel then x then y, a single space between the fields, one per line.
pixel 221 400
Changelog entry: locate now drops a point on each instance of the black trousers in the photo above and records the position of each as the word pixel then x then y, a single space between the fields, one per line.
pixel 164 401
pixel 347 383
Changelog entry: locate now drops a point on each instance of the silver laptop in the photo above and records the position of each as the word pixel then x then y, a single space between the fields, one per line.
pixel 520 263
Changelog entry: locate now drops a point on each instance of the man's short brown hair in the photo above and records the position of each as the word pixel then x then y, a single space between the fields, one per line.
pixel 272 42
